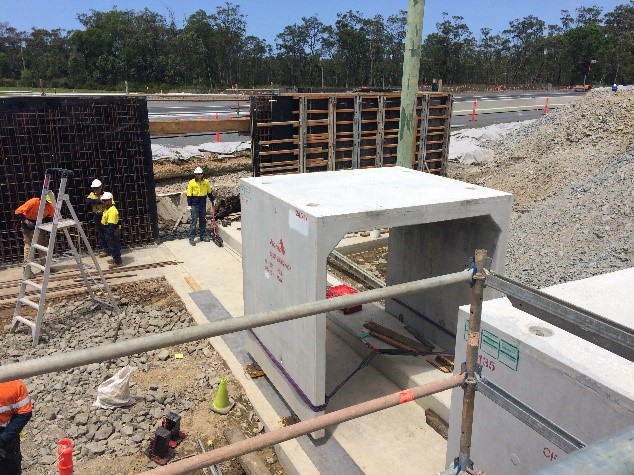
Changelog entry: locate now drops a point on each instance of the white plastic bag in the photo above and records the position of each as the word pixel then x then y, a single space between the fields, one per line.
pixel 115 392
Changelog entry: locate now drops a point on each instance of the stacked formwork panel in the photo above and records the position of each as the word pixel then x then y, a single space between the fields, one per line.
pixel 298 133
pixel 96 137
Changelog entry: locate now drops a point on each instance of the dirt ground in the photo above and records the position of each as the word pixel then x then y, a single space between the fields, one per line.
pixel 179 374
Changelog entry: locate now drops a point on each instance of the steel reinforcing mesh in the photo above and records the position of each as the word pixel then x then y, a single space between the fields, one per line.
pixel 96 137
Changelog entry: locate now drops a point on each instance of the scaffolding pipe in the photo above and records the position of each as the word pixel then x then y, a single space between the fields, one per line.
pixel 277 436
pixel 473 344
pixel 98 354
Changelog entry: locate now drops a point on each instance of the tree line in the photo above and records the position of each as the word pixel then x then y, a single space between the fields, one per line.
pixel 212 51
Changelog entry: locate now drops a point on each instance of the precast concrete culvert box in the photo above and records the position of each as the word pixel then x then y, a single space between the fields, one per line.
pixel 290 225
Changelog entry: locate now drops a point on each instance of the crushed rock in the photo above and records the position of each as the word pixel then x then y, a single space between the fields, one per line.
pixel 571 174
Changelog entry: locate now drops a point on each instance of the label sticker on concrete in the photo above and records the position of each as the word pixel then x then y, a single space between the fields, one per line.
pixel 298 221
pixel 489 343
pixel 509 355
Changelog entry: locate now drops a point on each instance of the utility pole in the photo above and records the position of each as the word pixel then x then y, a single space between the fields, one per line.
pixel 409 87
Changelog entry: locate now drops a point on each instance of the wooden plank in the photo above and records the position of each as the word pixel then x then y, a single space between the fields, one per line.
pixel 181 127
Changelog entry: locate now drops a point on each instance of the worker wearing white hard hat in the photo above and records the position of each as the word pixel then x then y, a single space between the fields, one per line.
pixel 93 200
pixel 198 189
pixel 112 229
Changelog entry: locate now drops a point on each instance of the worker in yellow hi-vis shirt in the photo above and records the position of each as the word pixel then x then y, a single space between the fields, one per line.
pixel 112 230
pixel 198 189
pixel 97 207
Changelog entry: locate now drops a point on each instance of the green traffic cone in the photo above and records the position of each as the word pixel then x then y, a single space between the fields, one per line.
pixel 223 403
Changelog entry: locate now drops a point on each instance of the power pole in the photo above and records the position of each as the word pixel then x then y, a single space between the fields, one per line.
pixel 409 86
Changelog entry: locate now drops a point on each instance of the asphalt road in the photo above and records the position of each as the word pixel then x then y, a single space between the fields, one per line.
pixel 492 108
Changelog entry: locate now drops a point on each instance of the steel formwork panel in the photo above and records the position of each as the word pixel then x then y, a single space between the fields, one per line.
pixel 96 137
pixel 297 133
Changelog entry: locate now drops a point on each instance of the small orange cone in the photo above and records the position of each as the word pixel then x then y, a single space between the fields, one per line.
pixel 217 136
pixel 223 403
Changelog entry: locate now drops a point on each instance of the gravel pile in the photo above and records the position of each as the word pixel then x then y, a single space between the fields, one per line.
pixel 572 176
pixel 63 401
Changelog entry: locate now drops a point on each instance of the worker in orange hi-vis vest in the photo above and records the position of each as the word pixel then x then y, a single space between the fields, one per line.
pixel 27 216
pixel 15 412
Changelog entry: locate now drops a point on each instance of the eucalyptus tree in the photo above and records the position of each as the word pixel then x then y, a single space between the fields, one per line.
pixel 12 60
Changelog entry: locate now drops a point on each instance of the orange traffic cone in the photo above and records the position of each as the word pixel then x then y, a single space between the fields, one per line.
pixel 223 403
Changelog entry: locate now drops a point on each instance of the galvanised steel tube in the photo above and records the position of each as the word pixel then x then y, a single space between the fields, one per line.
pixel 473 344
pixel 97 354
pixel 277 436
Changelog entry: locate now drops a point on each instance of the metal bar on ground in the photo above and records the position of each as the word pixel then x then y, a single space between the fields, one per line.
pixel 305 427
pixel 97 354
pixel 585 324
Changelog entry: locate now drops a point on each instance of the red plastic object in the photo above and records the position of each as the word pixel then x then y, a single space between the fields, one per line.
pixel 338 291
pixel 65 456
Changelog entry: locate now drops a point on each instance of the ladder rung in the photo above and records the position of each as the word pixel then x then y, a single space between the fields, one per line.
pixel 39 247
pixel 32 283
pixel 26 321
pixel 28 302
pixel 61 224
pixel 37 266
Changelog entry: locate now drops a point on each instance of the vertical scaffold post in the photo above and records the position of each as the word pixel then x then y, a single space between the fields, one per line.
pixel 473 344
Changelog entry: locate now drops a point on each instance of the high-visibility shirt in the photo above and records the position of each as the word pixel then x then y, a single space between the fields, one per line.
pixel 197 192
pixel 97 208
pixel 30 208
pixel 14 399
pixel 110 216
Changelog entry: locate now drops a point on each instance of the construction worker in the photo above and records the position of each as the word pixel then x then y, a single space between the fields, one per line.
pixel 15 411
pixel 615 87
pixel 27 216
pixel 112 230
pixel 97 207
pixel 198 189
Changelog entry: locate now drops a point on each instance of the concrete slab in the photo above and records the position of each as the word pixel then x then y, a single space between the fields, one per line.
pixel 580 387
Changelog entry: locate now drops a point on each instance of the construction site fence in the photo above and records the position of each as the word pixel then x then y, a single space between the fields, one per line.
pixel 104 137
pixel 299 133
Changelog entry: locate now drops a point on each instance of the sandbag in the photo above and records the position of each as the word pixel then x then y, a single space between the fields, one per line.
pixel 115 391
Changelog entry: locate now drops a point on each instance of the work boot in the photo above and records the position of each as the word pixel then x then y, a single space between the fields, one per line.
pixel 115 265
pixel 204 239
pixel 103 254
pixel 192 242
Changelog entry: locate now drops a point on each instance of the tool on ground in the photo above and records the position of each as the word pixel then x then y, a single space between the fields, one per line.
pixel 65 456
pixel 213 469
pixel 172 422
pixel 96 285
pixel 223 403
pixel 159 450
pixel 215 237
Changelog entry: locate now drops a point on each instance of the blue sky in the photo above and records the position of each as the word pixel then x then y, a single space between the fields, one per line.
pixel 267 18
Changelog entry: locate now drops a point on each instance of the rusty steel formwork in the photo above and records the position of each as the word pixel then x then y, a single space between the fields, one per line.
pixel 96 137
pixel 298 133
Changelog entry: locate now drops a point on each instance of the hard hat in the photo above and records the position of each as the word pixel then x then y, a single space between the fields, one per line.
pixel 50 197
pixel 95 183
pixel 106 196
pixel 198 171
